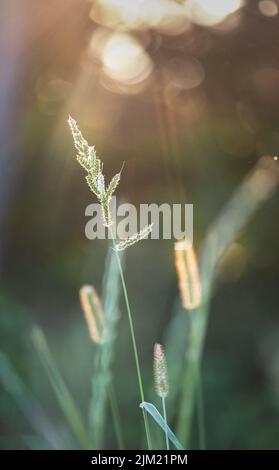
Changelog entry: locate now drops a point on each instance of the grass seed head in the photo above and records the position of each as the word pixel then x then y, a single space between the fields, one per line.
pixel 94 314
pixel 188 275
pixel 160 371
pixel 87 157
pixel 134 238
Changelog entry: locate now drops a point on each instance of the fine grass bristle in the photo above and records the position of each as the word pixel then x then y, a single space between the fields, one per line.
pixel 188 275
pixel 160 371
pixel 94 314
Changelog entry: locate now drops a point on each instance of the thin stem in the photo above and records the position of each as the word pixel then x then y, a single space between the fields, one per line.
pixel 166 423
pixel 200 413
pixel 190 381
pixel 116 417
pixel 134 343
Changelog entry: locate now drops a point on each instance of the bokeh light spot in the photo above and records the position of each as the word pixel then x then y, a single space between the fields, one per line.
pixel 185 73
pixel 211 12
pixel 125 60
pixel 268 7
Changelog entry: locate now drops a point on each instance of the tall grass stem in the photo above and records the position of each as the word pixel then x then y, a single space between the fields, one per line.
pixel 134 343
pixel 165 419
pixel 200 414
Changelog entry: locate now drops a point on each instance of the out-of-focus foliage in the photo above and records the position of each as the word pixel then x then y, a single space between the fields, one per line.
pixel 190 103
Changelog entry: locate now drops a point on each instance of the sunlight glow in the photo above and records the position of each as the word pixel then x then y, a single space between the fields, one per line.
pixel 211 12
pixel 219 8
pixel 125 60
pixel 268 7
pixel 168 16
pixel 127 14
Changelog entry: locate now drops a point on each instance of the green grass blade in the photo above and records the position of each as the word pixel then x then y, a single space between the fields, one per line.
pixel 62 393
pixel 134 341
pixel 116 418
pixel 27 404
pixel 152 410
pixel 246 200
pixel 176 341
pixel 102 373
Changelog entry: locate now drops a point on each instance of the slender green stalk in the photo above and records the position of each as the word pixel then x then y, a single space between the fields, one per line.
pixel 189 386
pixel 116 417
pixel 134 343
pixel 166 423
pixel 199 391
pixel 87 157
pixel 97 401
pixel 200 414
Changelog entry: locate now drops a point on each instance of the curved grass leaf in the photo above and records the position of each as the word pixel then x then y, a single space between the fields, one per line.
pixel 152 410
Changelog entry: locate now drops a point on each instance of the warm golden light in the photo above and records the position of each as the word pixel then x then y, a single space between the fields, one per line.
pixel 219 8
pixel 268 7
pixel 211 12
pixel 126 14
pixel 125 60
pixel 168 16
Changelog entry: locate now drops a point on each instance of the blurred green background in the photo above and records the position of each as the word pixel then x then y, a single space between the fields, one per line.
pixel 189 101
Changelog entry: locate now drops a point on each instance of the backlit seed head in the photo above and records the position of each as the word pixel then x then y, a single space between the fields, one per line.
pixel 134 238
pixel 188 275
pixel 87 157
pixel 93 312
pixel 160 371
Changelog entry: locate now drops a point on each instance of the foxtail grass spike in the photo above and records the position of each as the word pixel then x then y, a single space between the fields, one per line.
pixel 188 275
pixel 93 312
pixel 160 371
pixel 134 238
